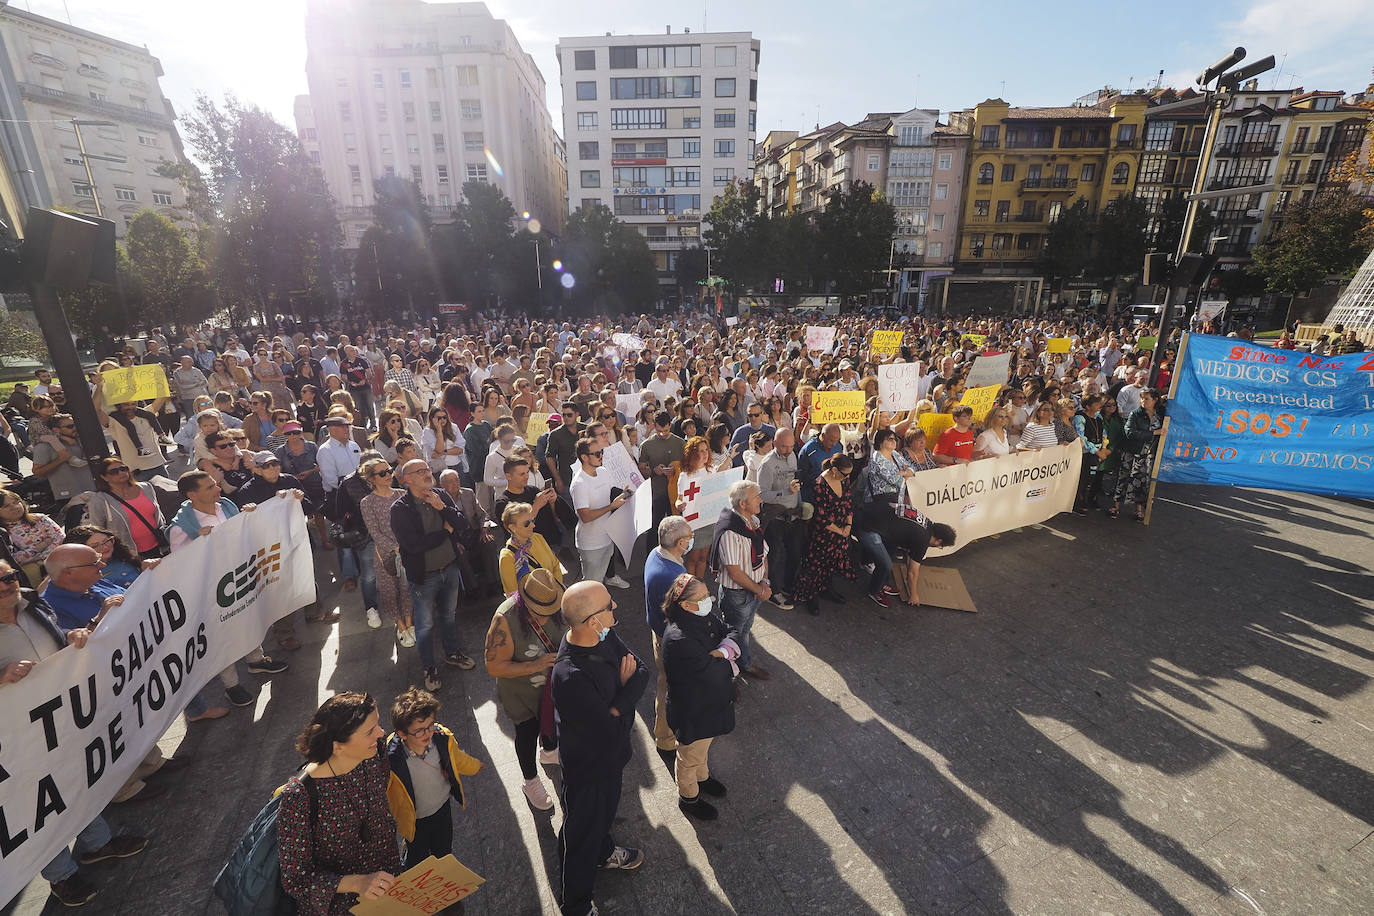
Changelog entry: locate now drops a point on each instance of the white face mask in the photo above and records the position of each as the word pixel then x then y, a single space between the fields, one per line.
pixel 703 606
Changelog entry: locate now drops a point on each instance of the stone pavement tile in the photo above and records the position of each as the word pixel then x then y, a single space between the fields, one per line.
pixel 1010 703
pixel 1096 697
pixel 1063 884
pixel 920 874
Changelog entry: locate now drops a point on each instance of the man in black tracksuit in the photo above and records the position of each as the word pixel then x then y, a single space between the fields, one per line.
pixel 597 681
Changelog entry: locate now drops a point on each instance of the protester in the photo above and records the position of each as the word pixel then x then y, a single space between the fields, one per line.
pixel 1138 449
pixel 593 500
pixel 827 550
pixel 740 552
pixel 661 568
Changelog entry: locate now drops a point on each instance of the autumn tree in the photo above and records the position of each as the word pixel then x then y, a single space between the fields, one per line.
pixel 167 271
pixel 1319 238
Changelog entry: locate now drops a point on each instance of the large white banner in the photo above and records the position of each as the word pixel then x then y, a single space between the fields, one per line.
pixel 79 724
pixel 993 495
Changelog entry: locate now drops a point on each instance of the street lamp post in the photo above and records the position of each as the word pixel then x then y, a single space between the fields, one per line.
pixel 87 157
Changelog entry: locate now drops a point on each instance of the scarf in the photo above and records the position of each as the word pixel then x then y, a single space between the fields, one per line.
pixel 736 523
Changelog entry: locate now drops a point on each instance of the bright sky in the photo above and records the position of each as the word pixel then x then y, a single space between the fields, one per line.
pixel 821 61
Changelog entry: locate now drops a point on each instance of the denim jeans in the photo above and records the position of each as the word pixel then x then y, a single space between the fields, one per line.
pixel 63 865
pixel 361 563
pixel 434 601
pixel 882 560
pixel 737 607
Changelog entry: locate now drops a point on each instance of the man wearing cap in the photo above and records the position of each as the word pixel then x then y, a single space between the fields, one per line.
pixel 597 682
pixel 338 455
pixel 521 648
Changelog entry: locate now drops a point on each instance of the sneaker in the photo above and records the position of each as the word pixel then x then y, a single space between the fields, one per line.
pixel 550 758
pixel 617 582
pixel 120 847
pixel 374 620
pixel 407 638
pixel 537 795
pixel 891 592
pixel 624 858
pixel 432 680
pixel 712 786
pixel 781 600
pixel 880 600
pixel 459 660
pixel 238 696
pixel 698 808
pixel 73 891
pixel 267 665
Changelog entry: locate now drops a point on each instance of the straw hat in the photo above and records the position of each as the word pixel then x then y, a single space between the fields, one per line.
pixel 542 593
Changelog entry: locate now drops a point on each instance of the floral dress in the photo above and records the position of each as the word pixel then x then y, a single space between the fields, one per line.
pixel 33 542
pixel 392 594
pixel 352 833
pixel 827 553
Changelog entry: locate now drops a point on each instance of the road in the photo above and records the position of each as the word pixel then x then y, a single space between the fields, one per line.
pixel 1165 720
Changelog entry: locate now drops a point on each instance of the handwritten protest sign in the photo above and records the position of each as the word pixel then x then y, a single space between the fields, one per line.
pixel 934 424
pixel 536 426
pixel 989 370
pixel 628 404
pixel 136 383
pixel 703 499
pixel 837 407
pixel 819 338
pixel 426 889
pixel 616 462
pixel 1146 343
pixel 886 343
pixel 731 321
pixel 899 386
pixel 1058 345
pixel 981 400
pixel 978 339
pixel 941 586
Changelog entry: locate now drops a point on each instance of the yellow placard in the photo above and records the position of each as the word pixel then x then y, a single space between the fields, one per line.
pixel 838 407
pixel 1059 345
pixel 536 426
pixel 978 339
pixel 136 383
pixel 934 424
pixel 981 400
pixel 886 343
pixel 427 888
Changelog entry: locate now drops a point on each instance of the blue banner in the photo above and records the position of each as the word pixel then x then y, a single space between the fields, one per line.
pixel 1255 416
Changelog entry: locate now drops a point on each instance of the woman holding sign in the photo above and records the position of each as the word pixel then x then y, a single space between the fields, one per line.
pixel 696 464
pixel 1143 427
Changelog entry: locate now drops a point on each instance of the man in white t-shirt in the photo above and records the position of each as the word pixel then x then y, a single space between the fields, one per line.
pixel 664 384
pixel 591 498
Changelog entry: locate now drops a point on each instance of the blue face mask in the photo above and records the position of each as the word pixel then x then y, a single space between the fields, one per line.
pixel 601 634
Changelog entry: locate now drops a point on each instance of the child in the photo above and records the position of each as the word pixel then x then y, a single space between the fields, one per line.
pixel 426 764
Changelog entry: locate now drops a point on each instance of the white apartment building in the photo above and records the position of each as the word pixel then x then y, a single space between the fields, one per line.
pixel 79 89
pixel 438 93
pixel 657 126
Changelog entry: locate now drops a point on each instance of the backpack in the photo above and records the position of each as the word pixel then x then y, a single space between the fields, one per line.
pixel 249 884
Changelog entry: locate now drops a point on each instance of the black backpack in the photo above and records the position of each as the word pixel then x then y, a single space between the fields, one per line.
pixel 249 884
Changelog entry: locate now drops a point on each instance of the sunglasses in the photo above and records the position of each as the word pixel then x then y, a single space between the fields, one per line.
pixel 294 432
pixel 9 577
pixel 594 454
pixel 119 470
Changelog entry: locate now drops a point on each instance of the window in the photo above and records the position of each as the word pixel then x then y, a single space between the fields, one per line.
pixel 942 192
pixel 584 60
pixel 656 87
pixel 438 142
pixel 975 243
pixel 721 177
pixel 405 79
pixel 408 110
pixel 1125 133
pixel 415 174
pixel 985 173
pixel 725 56
pixel 350 143
pixel 442 172
pixel 412 143
pixel 725 149
pixel 471 109
pixel 875 161
pixel 435 112
pixel 912 135
pixel 162 198
pixel 125 193
pixel 586 91
pixel 691 149
pixel 1003 211
pixel 81 189
pixel 377 81
pixel 590 150
pixel 1001 241
pixel 381 111
pixel 138 102
pixel 937 249
pixel 937 221
pixel 432 77
pixel 586 120
pixel 315 156
pixel 1121 173
pixel 474 142
pixel 590 202
pixel 725 117
pixel 444 200
pixel 591 178
pixel 639 118
pixel 309 134
pixel 1088 172
pixel 1009 171
pixel 389 171
pixel 467 76
pixel 691 118
pixel 988 135
pixel 355 174
pixel 981 207
pixel 946 162
pixel 725 88
pixel 357 200
pixel 146 139
pixel 753 90
pixel 384 140
pixel 477 172
pixel 753 120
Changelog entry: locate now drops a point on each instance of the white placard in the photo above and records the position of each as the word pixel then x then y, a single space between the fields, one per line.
pixel 631 520
pixel 629 405
pixel 622 469
pixel 703 499
pixel 899 386
pixel 820 338
pixel 989 370
pixel 628 342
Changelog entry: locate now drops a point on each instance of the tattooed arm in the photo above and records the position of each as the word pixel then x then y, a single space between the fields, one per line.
pixel 500 653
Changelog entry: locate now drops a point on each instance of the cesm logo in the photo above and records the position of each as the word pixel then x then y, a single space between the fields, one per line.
pixel 248 575
pixel 1037 493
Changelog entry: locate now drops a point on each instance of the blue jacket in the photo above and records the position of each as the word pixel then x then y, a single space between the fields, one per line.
pixel 659 573
pixel 186 520
pixel 809 465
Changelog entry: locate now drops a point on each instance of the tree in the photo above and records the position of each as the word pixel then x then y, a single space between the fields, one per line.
pixel 1068 248
pixel 690 272
pixel 18 341
pixel 854 237
pixel 269 231
pixel 1169 227
pixel 117 308
pixel 735 234
pixel 611 265
pixel 1320 238
pixel 167 270
pixel 395 264
pixel 1121 239
pixel 473 249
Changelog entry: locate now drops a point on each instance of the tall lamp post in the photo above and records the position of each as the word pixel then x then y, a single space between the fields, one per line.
pixel 86 157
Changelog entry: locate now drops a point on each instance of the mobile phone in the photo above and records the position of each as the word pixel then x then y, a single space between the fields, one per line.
pixel 548 485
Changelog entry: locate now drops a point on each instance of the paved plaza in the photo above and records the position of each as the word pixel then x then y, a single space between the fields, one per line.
pixel 1177 719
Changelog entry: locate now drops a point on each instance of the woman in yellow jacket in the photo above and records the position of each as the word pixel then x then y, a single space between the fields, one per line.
pixel 426 766
pixel 526 550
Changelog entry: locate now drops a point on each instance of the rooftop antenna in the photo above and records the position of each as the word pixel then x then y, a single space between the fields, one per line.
pixel 1003 96
pixel 703 14
pixel 1130 81
pixel 1159 80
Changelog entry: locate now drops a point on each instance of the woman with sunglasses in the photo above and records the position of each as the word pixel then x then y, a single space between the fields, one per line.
pixel 1040 431
pixel 393 598
pixel 441 443
pixel 128 508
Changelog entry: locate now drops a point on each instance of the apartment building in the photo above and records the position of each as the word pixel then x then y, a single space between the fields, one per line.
pixel 92 103
pixel 436 93
pixel 1175 129
pixel 657 127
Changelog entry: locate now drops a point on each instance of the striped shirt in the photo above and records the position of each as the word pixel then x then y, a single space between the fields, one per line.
pixel 735 550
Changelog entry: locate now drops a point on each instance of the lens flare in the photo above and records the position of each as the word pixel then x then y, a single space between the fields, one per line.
pixel 557 265
pixel 567 280
pixel 534 226
pixel 491 161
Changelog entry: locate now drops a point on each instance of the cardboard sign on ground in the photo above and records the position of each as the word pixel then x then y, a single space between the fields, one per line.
pixel 426 889
pixel 942 586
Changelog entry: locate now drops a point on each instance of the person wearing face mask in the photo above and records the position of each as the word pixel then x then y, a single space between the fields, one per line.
pixel 597 682
pixel 699 653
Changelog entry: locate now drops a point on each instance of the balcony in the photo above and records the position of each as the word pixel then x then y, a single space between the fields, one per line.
pixel 1235 215
pixel 1084 143
pixel 1226 182
pixel 86 103
pixel 1054 183
pixel 988 144
pixel 1133 143
pixel 669 244
pixel 1249 148
pixel 910 171
pixel 1305 149
pixel 1232 250
pixel 984 180
pixel 1029 217
pixel 1046 143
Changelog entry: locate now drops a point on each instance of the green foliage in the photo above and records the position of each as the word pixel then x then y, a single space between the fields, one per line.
pixel 1319 238
pixel 1121 237
pixel 167 271
pixel 1068 249
pixel 854 236
pixel 472 248
pixel 610 262
pixel 117 307
pixel 395 263
pixel 18 341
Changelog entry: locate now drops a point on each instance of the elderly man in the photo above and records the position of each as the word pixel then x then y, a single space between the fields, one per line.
pixel 596 684
pixel 1128 397
pixel 740 552
pixel 812 454
pixel 781 515
pixel 479 538
pixel 664 384
pixel 661 567
pixel 357 377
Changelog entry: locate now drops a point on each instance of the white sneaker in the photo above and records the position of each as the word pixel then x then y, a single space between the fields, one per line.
pixel 538 795
pixel 550 758
pixel 406 637
pixel 374 620
pixel 617 582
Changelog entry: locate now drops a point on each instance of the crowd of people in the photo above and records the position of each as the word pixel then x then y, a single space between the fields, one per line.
pixel 458 467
